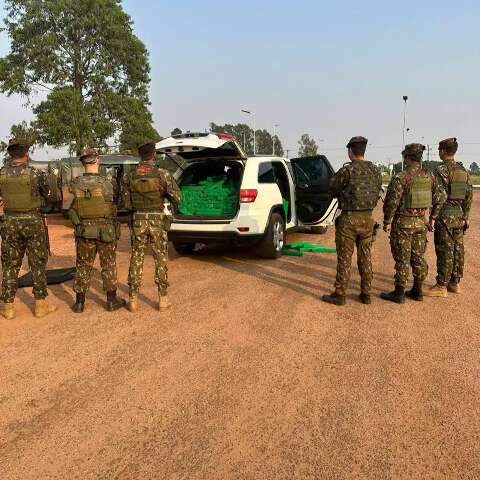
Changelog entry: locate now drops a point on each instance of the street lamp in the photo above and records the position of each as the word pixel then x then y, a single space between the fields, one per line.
pixel 248 112
pixel 274 136
pixel 405 98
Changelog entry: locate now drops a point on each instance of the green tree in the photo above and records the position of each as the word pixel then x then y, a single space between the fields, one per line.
pixel 244 135
pixel 95 70
pixel 474 168
pixel 176 131
pixel 24 131
pixel 307 146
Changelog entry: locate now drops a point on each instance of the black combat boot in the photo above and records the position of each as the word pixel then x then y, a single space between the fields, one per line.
pixel 79 305
pixel 397 296
pixel 335 298
pixel 113 302
pixel 416 293
pixel 365 298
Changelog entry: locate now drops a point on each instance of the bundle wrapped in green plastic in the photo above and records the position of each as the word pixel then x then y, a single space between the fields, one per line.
pixel 297 249
pixel 212 197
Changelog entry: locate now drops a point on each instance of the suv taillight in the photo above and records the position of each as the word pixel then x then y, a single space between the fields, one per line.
pixel 224 136
pixel 248 196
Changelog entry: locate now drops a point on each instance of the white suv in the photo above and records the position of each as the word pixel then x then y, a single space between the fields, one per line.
pixel 273 195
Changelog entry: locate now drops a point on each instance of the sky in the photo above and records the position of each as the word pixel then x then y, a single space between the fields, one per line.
pixel 332 69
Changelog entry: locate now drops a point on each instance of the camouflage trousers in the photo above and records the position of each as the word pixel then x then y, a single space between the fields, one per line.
pixel 147 231
pixel 354 229
pixel 408 242
pixel 450 251
pixel 87 250
pixel 20 235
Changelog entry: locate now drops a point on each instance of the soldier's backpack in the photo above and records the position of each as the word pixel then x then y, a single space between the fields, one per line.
pixel 93 200
pixel 458 178
pixel 363 191
pixel 147 189
pixel 20 193
pixel 418 195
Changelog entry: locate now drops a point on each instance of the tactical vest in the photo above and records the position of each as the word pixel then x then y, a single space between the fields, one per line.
pixel 419 193
pixel 20 193
pixel 93 201
pixel 458 178
pixel 147 191
pixel 362 193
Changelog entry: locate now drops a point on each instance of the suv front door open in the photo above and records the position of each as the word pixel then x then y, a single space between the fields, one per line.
pixel 312 186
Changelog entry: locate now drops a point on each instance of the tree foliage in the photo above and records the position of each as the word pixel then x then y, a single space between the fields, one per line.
pixel 244 135
pixel 176 131
pixel 85 55
pixel 307 146
pixel 474 168
pixel 25 132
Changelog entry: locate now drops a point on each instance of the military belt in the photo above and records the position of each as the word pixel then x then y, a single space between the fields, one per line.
pixel 22 214
pixel 97 219
pixel 147 215
pixel 356 212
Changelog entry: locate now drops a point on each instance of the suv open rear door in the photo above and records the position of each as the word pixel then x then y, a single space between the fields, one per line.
pixel 200 146
pixel 315 204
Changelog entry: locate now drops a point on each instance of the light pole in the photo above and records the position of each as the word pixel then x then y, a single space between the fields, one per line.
pixel 273 138
pixel 405 98
pixel 248 112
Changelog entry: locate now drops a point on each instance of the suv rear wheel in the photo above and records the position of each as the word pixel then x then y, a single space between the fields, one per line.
pixel 274 240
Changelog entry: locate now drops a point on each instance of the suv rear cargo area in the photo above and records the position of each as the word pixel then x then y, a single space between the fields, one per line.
pixel 210 189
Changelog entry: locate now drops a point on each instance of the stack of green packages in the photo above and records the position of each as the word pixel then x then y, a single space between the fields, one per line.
pixel 212 197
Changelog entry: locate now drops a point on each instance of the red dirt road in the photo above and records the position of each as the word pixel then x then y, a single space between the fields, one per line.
pixel 249 377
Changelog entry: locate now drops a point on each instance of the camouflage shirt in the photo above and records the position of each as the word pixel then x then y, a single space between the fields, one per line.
pixel 442 173
pixel 399 186
pixel 172 192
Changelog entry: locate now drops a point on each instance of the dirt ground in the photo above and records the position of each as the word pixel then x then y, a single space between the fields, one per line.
pixel 249 377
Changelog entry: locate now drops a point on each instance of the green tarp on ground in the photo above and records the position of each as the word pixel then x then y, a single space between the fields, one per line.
pixel 212 197
pixel 297 249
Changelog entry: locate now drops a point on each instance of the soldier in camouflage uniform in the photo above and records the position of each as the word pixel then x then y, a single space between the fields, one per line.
pixel 357 186
pixel 452 220
pixel 22 189
pixel 144 191
pixel 410 195
pixel 93 214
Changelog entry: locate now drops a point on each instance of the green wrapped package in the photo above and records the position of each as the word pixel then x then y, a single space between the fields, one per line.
pixel 212 197
pixel 297 249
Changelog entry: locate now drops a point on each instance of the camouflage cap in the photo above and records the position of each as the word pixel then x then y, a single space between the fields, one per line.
pixel 146 150
pixel 355 140
pixel 448 143
pixel 18 142
pixel 414 151
pixel 88 155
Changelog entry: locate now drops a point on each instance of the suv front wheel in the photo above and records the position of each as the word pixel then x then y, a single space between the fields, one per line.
pixel 274 240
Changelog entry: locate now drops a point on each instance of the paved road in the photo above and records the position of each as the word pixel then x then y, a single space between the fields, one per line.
pixel 250 377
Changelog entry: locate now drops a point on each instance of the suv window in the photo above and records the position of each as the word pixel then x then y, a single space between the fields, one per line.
pixel 313 170
pixel 266 173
